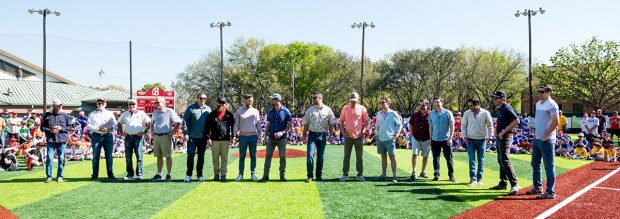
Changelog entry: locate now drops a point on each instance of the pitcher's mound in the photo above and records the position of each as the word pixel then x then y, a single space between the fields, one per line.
pixel 290 153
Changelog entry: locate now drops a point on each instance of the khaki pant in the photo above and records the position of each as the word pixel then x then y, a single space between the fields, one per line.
pixel 220 150
pixel 162 146
pixel 359 151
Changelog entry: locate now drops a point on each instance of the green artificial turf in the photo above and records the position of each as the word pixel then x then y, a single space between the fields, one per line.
pixel 25 194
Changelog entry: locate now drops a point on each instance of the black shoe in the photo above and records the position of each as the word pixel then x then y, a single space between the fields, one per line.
pixel 93 178
pixel 413 177
pixel 282 178
pixel 157 177
pixel 423 175
pixel 320 179
pixel 111 178
pixel 436 178
pixel 168 178
pixel 216 177
pixel 223 178
pixel 265 178
pixel 452 179
pixel 499 187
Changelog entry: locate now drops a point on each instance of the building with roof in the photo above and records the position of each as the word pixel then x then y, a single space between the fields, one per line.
pixel 21 89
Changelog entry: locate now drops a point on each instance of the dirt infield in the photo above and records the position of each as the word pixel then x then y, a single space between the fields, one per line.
pixel 567 184
pixel 6 214
pixel 290 153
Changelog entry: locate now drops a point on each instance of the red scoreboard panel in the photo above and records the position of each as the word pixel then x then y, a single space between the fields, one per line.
pixel 146 99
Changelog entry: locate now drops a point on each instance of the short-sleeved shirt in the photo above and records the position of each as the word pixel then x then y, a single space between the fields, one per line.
pixel 163 120
pixel 506 116
pixel 419 125
pixel 601 122
pixel 614 126
pixel 278 120
pixel 318 120
pixel 441 124
pixel 134 122
pixel 591 122
pixel 354 119
pixel 544 112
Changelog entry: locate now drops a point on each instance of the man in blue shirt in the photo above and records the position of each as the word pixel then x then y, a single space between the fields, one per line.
pixel 388 129
pixel 507 120
pixel 193 131
pixel 56 125
pixel 441 127
pixel 279 122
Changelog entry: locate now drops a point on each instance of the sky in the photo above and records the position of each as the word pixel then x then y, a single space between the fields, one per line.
pixel 167 36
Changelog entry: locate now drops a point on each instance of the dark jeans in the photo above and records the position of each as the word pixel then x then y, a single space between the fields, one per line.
pixel 506 172
pixel 271 147
pixel 106 142
pixel 436 148
pixel 245 143
pixel 316 143
pixel 132 145
pixel 196 145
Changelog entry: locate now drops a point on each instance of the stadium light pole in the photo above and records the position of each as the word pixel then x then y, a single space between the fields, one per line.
pixel 529 13
pixel 221 25
pixel 362 25
pixel 44 12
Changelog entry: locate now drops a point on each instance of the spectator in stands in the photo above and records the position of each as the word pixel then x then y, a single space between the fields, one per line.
pixel 56 125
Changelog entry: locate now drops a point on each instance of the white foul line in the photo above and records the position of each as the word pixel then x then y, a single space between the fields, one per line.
pixel 607 188
pixel 568 200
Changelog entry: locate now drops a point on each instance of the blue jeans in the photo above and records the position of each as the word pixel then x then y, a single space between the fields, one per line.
pixel 105 141
pixel 316 143
pixel 246 142
pixel 544 150
pixel 132 145
pixel 476 146
pixel 60 151
pixel 196 145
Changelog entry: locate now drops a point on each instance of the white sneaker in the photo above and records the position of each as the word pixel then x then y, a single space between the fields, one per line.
pixel 254 177
pixel 344 178
pixel 201 179
pixel 473 183
pixel 479 182
pixel 361 179
pixel 187 179
pixel 239 177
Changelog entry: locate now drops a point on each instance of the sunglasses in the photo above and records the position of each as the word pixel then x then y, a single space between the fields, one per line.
pixel 156 102
pixel 315 98
pixel 541 92
pixel 382 102
pixel 100 103
pixel 132 104
pixel 202 98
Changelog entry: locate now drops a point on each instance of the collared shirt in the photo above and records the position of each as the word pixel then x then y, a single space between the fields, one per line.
pixel 194 120
pixel 318 119
pixel 247 122
pixel 388 124
pixel 353 119
pixel 100 119
pixel 50 120
pixel 278 120
pixel 544 112
pixel 163 120
pixel 134 122
pixel 506 116
pixel 477 126
pixel 419 125
pixel 441 124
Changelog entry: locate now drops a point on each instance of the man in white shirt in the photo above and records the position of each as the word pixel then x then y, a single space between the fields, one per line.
pixel 133 124
pixel 477 127
pixel 102 123
pixel 592 124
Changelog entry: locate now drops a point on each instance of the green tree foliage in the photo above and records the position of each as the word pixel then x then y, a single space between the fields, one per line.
pixel 149 86
pixel 588 73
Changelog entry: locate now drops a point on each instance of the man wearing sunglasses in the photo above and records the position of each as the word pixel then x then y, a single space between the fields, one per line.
pixel 133 124
pixel 420 138
pixel 165 122
pixel 218 128
pixel 317 122
pixel 507 120
pixel 102 123
pixel 193 131
pixel 388 129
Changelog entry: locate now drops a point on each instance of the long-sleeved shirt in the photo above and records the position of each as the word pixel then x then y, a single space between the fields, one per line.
pixel 217 129
pixel 61 119
pixel 247 122
pixel 477 125
pixel 100 119
pixel 194 120
pixel 388 124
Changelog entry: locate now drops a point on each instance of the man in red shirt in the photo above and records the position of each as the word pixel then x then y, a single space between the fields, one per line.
pixel 420 138
pixel 614 127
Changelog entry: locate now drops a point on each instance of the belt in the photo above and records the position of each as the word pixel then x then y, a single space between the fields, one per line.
pixel 132 136
pixel 318 133
pixel 160 134
pixel 105 134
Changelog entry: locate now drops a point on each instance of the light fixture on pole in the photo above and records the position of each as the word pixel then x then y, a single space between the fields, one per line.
pixel 101 73
pixel 529 13
pixel 221 25
pixel 362 25
pixel 44 12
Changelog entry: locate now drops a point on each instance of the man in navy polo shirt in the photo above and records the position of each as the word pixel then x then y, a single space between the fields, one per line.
pixel 507 120
pixel 279 122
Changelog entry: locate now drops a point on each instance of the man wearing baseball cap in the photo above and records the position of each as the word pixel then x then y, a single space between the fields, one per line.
pixel 507 120
pixel 56 125
pixel 102 124
pixel 279 122
pixel 218 128
pixel 133 124
pixel 354 118
pixel 14 125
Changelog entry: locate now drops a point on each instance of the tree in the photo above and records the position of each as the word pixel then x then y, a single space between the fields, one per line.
pixel 588 73
pixel 149 86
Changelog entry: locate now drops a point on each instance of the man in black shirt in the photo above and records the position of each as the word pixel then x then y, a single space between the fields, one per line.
pixel 507 120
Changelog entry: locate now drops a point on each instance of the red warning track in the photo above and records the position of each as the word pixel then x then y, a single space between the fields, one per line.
pixel 6 214
pixel 290 153
pixel 598 202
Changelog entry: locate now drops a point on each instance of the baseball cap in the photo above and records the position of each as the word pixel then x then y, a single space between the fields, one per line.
pixel 276 96
pixel 498 93
pixel 101 99
pixel 599 110
pixel 56 102
pixel 133 101
pixel 580 135
pixel 354 96
pixel 81 113
pixel 222 100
